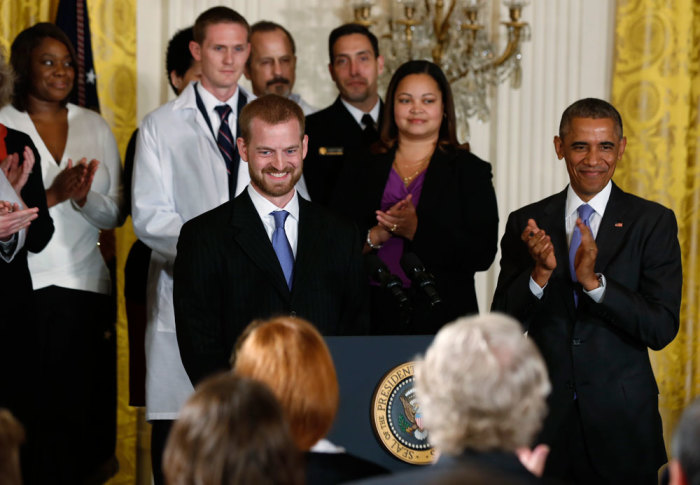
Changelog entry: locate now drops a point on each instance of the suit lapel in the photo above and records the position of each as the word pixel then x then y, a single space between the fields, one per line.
pixel 249 233
pixel 308 241
pixel 346 122
pixel 612 230
pixel 437 177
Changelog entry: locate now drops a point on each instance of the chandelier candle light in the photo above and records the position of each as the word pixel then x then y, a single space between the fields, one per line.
pixel 453 37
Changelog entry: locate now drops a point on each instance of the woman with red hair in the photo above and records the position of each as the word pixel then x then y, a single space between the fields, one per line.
pixel 290 356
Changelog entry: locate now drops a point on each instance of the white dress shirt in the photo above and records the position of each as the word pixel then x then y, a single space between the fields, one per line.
pixel 265 208
pixel 358 113
pixel 72 258
pixel 305 107
pixel 573 201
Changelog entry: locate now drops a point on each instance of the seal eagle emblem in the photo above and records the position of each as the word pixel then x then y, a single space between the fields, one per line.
pixel 397 419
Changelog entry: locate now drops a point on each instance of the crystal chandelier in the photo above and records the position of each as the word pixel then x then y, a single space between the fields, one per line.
pixel 454 37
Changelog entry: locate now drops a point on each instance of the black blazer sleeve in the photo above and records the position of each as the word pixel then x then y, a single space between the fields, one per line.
pixel 457 212
pixel 33 193
pixel 197 284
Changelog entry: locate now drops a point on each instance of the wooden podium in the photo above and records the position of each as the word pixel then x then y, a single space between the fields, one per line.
pixel 361 363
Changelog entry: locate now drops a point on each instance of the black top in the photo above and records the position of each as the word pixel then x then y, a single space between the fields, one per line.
pixel 333 468
pixel 469 468
pixel 18 345
pixel 457 235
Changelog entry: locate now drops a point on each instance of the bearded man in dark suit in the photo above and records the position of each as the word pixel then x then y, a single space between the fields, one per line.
pixel 341 134
pixel 594 275
pixel 267 252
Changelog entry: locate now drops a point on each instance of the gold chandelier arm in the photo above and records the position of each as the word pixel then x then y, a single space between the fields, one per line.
pixel 510 49
pixel 512 46
pixel 441 27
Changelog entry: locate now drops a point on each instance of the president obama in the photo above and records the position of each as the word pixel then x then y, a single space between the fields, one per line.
pixel 594 275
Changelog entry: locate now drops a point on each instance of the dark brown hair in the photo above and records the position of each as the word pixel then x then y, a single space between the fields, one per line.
pixel 389 132
pixel 271 109
pixel 231 431
pixel 216 15
pixel 21 59
pixel 349 29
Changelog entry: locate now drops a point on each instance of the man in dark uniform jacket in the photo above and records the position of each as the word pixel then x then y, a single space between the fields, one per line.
pixel 341 134
pixel 594 275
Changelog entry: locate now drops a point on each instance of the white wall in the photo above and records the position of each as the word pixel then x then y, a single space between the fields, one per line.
pixel 569 56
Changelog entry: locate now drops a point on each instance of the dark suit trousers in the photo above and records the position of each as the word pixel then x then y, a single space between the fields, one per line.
pixel 570 461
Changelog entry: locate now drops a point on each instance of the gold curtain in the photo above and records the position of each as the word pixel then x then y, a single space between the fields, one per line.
pixel 656 86
pixel 113 26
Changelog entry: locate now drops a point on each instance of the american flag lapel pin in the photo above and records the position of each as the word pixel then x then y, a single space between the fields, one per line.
pixel 618 224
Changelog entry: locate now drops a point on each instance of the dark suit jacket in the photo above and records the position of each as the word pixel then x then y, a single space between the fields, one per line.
pixel 336 144
pixel 333 468
pixel 492 468
pixel 227 274
pixel 457 226
pixel 17 340
pixel 600 350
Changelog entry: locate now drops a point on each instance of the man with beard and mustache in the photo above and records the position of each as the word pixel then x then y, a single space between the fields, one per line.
pixel 271 66
pixel 267 252
pixel 341 134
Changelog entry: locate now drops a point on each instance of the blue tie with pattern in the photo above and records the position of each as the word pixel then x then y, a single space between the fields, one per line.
pixel 584 212
pixel 280 243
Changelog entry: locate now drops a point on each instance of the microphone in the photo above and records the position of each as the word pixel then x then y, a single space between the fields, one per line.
pixel 417 273
pixel 379 273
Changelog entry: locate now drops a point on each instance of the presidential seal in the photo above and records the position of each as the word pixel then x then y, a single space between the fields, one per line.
pixel 397 419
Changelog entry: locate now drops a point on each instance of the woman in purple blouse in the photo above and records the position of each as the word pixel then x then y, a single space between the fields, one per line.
pixel 429 202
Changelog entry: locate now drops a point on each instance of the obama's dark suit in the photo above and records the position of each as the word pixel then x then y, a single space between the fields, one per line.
pixel 597 353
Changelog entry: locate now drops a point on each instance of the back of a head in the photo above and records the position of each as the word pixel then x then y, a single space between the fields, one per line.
pixel 231 431
pixel 290 356
pixel 178 57
pixel 685 446
pixel 482 386
pixel 11 437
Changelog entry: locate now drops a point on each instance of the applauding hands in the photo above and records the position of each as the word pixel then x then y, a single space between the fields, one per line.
pixel 73 182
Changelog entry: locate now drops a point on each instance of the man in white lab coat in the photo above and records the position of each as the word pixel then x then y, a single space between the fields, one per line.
pixel 186 163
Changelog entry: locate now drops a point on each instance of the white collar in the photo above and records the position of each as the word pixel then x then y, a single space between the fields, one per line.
pixel 211 102
pixel 264 206
pixel 325 446
pixel 598 202
pixel 358 113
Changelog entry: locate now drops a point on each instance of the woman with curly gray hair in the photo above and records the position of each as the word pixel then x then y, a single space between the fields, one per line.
pixel 482 388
